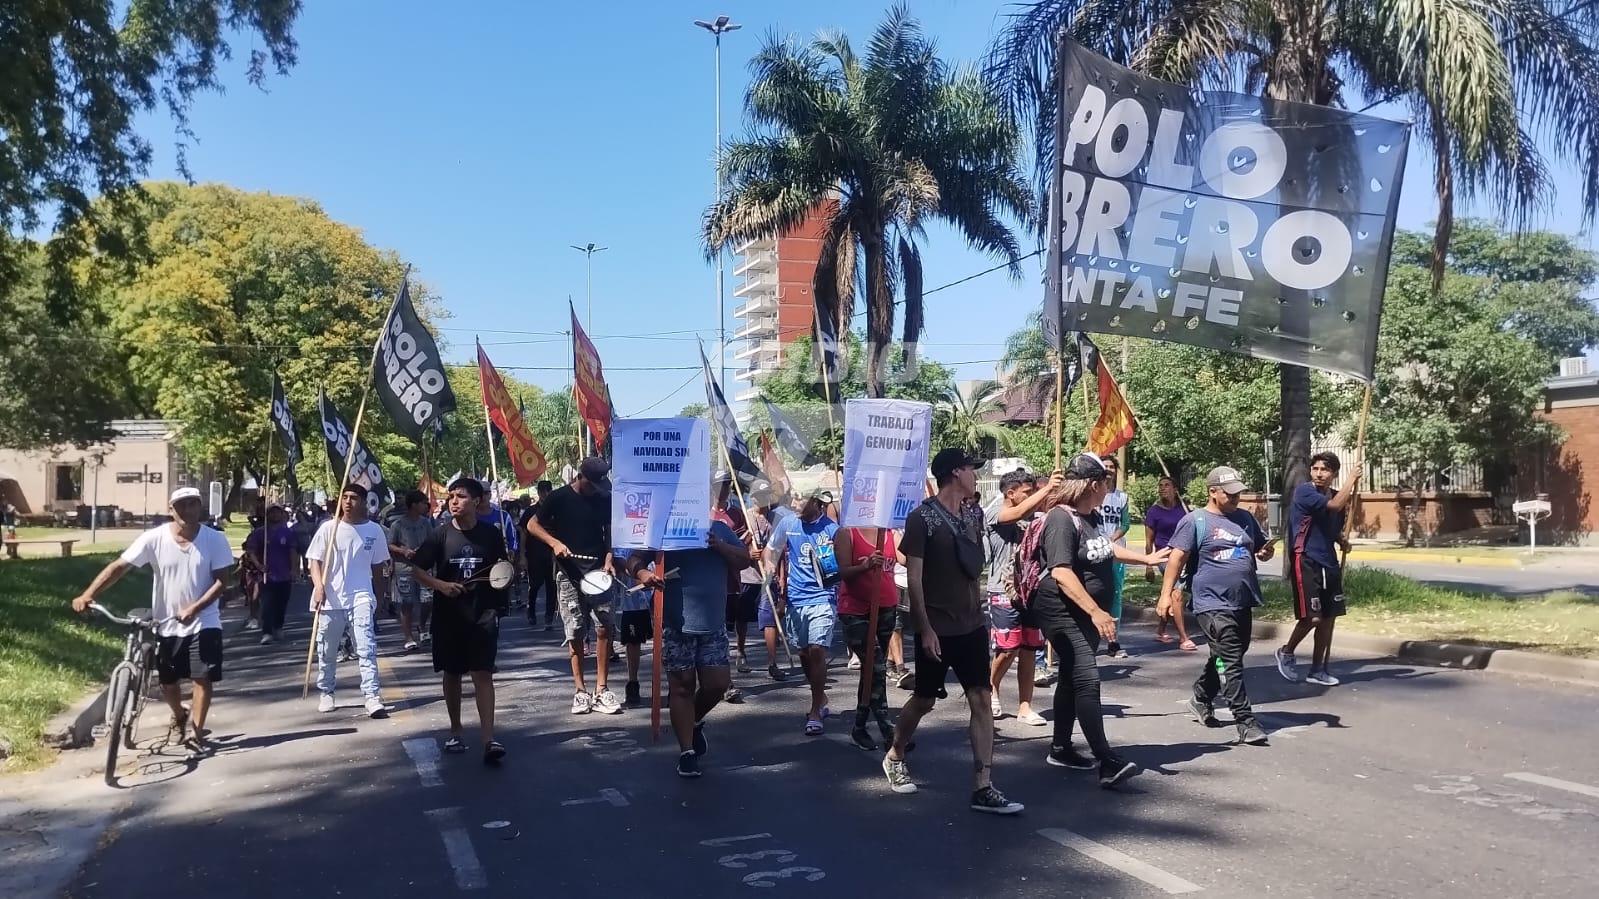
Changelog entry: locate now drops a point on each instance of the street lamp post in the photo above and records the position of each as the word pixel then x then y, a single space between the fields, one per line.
pixel 721 26
pixel 589 250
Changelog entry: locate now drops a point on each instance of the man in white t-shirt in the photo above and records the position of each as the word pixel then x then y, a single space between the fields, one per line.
pixel 189 566
pixel 347 556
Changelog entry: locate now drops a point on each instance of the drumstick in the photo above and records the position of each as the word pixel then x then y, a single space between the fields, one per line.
pixel 671 574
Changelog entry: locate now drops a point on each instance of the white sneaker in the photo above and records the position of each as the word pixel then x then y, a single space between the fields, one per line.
pixel 854 663
pixel 252 625
pixel 266 639
pixel 606 704
pixel 1287 665
pixel 326 703
pixel 582 703
pixel 376 709
pixel 1032 719
pixel 410 646
pixel 995 707
pixel 1323 678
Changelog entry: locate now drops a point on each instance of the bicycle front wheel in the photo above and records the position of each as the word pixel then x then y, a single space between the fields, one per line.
pixel 117 703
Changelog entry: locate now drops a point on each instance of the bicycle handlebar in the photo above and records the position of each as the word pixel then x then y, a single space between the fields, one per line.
pixel 130 621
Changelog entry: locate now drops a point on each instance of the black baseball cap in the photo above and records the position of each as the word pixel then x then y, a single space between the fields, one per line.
pixel 947 460
pixel 596 471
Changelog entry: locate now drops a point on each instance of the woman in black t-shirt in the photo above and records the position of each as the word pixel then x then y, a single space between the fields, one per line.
pixel 1075 592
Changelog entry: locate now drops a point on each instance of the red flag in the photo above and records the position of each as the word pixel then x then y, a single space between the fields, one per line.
pixel 1116 425
pixel 588 384
pixel 772 464
pixel 526 457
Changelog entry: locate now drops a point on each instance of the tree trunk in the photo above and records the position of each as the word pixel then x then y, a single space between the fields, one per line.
pixel 1296 72
pixel 879 312
pixel 1444 181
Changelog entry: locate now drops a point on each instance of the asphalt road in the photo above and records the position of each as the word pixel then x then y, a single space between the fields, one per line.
pixel 1404 781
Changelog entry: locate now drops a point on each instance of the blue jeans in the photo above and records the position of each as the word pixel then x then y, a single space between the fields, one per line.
pixel 330 632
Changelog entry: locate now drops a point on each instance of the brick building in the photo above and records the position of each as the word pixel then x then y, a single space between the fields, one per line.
pixel 1569 473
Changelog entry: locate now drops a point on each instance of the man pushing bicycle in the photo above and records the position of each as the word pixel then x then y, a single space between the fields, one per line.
pixel 190 566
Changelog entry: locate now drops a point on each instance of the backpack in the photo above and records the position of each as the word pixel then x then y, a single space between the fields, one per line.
pixel 1028 564
pixel 1185 580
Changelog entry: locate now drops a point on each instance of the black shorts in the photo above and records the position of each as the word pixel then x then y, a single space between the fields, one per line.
pixel 1318 589
pixel 174 656
pixel 967 654
pixel 745 604
pixel 462 645
pixel 637 627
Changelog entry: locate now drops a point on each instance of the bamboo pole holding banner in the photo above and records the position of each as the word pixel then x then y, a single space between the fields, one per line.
pixel 657 617
pixel 1056 256
pixel 349 461
pixel 727 459
pixel 1360 470
pixel 869 653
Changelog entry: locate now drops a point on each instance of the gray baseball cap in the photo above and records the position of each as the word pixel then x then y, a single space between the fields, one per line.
pixel 1226 478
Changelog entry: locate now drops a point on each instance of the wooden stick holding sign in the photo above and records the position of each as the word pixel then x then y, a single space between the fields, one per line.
pixel 1360 469
pixel 657 617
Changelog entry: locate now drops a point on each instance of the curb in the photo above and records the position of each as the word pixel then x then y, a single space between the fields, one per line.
pixel 1465 656
pixel 1403 556
pixel 74 728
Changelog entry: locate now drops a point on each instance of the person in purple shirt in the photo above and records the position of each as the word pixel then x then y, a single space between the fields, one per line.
pixel 273 550
pixel 1160 522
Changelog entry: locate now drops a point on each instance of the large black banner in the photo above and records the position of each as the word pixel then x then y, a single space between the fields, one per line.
pixel 410 374
pixel 364 468
pixel 283 421
pixel 1219 219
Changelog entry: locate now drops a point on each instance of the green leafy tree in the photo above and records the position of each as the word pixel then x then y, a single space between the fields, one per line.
pixel 76 77
pixel 880 144
pixel 1461 372
pixel 234 285
pixel 967 419
pixel 61 378
pixel 1484 82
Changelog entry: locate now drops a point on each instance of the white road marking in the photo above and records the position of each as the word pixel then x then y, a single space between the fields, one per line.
pixel 458 848
pixel 1568 786
pixel 613 796
pixel 424 753
pixel 728 841
pixel 1122 862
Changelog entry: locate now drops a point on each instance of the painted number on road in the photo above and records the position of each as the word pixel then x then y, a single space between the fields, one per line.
pixel 763 879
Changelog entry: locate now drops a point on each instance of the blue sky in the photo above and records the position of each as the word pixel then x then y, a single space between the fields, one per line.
pixel 480 139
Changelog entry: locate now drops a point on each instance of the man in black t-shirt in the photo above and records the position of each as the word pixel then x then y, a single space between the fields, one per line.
pixel 466 613
pixel 540 563
pixel 944 563
pixel 575 523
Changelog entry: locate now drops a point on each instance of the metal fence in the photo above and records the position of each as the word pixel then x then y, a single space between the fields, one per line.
pixel 1385 477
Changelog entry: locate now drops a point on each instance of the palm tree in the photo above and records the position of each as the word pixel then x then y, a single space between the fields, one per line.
pixel 1484 80
pixel 966 419
pixel 879 145
pixel 1028 358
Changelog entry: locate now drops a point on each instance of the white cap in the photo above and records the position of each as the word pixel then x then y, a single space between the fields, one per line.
pixel 183 493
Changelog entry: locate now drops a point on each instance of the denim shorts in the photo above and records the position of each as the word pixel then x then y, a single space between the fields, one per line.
pixel 810 625
pixel 686 652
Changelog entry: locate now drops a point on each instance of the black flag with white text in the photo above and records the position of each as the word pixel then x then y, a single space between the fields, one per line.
pixel 410 374
pixel 363 467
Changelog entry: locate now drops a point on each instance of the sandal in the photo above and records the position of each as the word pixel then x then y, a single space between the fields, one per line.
pixel 813 727
pixel 1165 638
pixel 454 746
pixel 493 752
pixel 1188 646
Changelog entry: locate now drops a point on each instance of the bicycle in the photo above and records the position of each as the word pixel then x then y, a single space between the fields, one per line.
pixel 132 683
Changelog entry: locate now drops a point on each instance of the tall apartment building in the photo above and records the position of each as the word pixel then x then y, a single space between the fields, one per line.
pixel 775 303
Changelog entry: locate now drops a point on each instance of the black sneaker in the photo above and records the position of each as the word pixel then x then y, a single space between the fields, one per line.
pixel 1069 758
pixel 688 764
pixel 701 747
pixel 1113 771
pixel 1202 713
pixel 634 698
pixel 993 802
pixel 773 672
pixel 199 747
pixel 862 739
pixel 1252 733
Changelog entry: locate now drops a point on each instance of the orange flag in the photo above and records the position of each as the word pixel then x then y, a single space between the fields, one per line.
pixel 588 384
pixel 526 457
pixel 1116 424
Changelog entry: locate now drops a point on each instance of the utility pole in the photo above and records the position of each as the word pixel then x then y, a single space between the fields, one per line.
pixel 589 250
pixel 721 26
